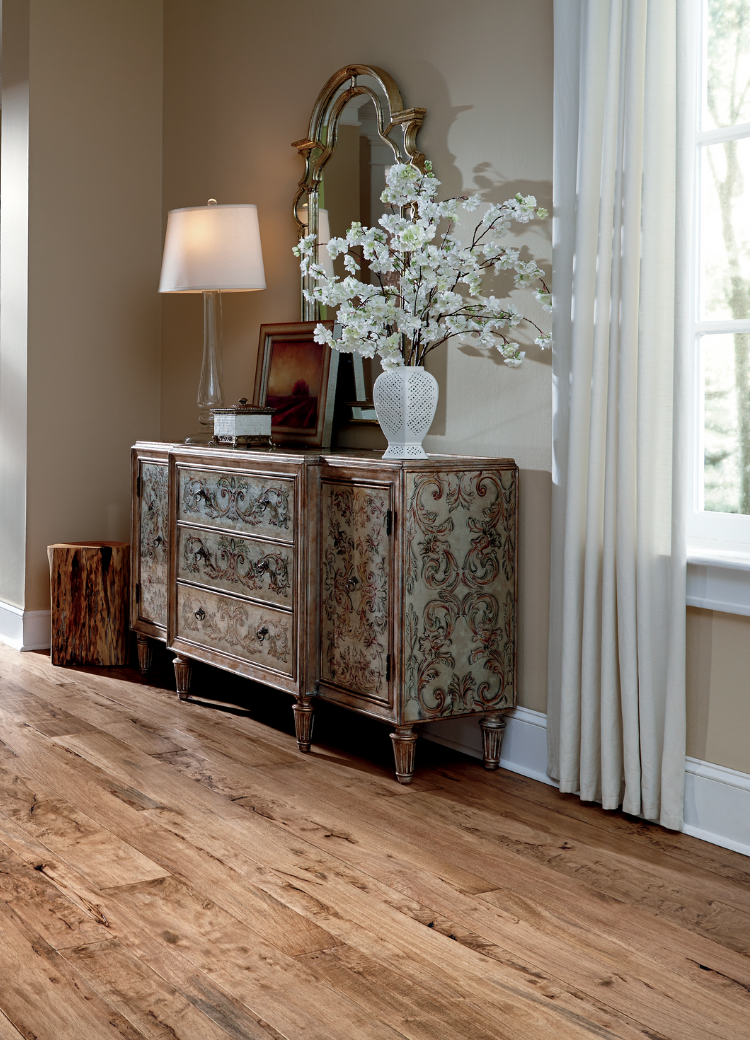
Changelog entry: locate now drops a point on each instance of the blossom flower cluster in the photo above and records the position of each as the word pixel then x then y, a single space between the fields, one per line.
pixel 426 284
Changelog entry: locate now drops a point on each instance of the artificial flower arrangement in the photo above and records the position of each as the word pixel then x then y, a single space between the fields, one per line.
pixel 417 301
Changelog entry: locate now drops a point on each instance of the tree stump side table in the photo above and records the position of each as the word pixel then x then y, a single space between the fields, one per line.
pixel 89 584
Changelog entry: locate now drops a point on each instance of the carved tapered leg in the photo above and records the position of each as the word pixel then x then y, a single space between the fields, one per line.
pixel 183 673
pixel 303 722
pixel 492 725
pixel 404 741
pixel 145 654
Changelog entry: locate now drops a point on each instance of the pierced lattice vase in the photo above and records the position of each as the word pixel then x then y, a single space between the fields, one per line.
pixel 405 402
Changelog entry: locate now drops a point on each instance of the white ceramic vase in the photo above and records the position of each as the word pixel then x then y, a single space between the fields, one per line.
pixel 405 402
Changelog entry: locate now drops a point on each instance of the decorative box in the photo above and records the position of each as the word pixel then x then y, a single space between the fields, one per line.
pixel 242 425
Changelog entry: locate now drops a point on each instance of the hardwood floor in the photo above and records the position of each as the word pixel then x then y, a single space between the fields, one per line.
pixel 179 870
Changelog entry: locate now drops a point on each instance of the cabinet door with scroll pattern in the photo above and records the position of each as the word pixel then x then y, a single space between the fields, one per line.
pixel 460 620
pixel 153 548
pixel 355 588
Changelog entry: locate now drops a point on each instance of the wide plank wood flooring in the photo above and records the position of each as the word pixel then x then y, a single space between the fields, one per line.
pixel 179 870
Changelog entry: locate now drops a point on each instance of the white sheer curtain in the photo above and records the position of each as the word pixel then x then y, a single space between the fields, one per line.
pixel 616 712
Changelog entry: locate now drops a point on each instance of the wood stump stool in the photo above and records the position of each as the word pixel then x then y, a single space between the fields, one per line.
pixel 89 584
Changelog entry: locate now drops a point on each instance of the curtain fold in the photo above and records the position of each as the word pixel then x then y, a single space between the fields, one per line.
pixel 616 697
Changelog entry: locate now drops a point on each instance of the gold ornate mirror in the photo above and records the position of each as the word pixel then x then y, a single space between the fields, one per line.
pixel 358 128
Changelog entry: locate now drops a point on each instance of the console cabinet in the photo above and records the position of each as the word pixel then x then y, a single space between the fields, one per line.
pixel 388 587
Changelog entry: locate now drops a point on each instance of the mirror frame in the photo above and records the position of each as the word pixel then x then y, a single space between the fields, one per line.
pixel 319 145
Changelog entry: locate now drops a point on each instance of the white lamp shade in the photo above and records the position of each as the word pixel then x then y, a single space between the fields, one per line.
pixel 212 247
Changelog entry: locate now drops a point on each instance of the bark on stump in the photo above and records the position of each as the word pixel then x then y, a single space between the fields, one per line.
pixel 89 584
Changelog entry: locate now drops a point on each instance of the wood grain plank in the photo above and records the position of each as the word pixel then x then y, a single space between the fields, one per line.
pixel 150 776
pixel 199 719
pixel 687 849
pixel 22 739
pixel 273 920
pixel 7 1030
pixel 352 846
pixel 471 905
pixel 364 845
pixel 279 988
pixel 140 995
pixel 348 903
pixel 44 998
pixel 482 803
pixel 217 850
pixel 59 690
pixel 59 921
pixel 662 887
pixel 104 858
pixel 654 888
pixel 644 969
pixel 135 733
pixel 415 1011
pixel 200 990
pixel 629 984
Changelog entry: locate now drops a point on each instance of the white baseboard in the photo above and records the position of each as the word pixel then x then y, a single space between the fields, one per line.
pixel 524 747
pixel 717 805
pixel 24 629
pixel 717 799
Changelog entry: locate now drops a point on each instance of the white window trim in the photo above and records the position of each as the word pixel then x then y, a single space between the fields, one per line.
pixel 718 581
pixel 718 554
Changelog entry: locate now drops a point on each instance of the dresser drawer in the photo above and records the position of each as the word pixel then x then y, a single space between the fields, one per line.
pixel 245 502
pixel 245 566
pixel 254 633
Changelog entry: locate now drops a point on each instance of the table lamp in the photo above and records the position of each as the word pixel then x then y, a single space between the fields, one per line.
pixel 212 249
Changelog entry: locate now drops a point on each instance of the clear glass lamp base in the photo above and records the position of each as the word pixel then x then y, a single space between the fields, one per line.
pixel 209 389
pixel 206 432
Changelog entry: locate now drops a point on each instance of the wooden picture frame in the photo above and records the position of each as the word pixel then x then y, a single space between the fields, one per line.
pixel 297 376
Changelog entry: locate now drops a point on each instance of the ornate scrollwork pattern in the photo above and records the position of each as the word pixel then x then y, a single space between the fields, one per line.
pixel 237 501
pixel 238 628
pixel 236 564
pixel 355 588
pixel 154 546
pixel 460 531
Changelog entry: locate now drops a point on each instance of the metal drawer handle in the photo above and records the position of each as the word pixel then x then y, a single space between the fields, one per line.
pixel 200 614
pixel 352 583
pixel 261 634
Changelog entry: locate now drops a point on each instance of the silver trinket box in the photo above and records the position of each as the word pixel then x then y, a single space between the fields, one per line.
pixel 243 425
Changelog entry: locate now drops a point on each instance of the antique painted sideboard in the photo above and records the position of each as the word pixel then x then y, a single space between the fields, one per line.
pixel 388 587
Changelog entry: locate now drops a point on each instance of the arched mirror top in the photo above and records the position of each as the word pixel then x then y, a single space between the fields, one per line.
pixel 352 87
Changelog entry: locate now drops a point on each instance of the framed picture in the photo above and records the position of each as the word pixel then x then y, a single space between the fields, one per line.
pixel 297 378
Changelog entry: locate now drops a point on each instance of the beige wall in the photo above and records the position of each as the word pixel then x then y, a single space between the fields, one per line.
pixel 94 249
pixel 718 671
pixel 14 188
pixel 239 88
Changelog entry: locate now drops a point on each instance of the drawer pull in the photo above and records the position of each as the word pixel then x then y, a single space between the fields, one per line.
pixel 261 634
pixel 352 583
pixel 200 614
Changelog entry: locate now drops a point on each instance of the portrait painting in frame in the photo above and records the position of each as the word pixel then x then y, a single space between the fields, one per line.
pixel 296 377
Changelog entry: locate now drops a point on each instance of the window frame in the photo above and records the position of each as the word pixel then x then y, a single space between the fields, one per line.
pixel 707 531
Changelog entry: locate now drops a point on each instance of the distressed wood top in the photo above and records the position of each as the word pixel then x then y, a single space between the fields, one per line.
pixel 337 457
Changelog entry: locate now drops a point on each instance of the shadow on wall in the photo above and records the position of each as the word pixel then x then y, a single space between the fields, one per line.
pixel 433 94
pixel 492 186
pixel 492 189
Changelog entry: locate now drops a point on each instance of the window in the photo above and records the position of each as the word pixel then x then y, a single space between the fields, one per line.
pixel 720 514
